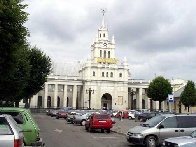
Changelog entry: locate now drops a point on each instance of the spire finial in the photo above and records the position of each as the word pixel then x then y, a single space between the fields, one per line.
pixel 103 11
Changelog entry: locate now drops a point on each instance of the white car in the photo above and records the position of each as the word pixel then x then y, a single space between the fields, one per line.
pixel 10 133
pixel 180 141
pixel 131 114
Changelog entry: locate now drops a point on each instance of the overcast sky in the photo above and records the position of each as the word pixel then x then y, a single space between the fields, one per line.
pixel 158 37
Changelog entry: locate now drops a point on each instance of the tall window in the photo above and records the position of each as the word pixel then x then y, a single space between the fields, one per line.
pixel 100 53
pixel 104 54
pixel 93 73
pixel 103 34
pixel 102 74
pixel 111 74
pixel 108 54
pixel 107 74
pixel 100 35
pixel 120 74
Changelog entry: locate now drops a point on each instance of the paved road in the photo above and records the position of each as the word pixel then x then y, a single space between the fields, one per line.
pixel 59 133
pixel 124 125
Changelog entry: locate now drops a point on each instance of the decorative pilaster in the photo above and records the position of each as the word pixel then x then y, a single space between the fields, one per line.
pixel 65 96
pixel 55 95
pixel 74 96
pixel 45 95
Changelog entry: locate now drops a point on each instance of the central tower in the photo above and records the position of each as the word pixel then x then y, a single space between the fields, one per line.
pixel 104 75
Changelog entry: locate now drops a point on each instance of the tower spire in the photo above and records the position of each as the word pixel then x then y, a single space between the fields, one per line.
pixel 103 12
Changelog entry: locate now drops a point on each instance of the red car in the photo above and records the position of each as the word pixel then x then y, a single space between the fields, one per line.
pixel 125 114
pixel 99 121
pixel 61 114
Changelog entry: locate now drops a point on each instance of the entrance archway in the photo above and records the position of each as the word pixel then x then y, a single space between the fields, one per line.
pixel 106 101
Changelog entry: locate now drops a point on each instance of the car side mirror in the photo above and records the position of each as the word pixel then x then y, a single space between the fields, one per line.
pixel 161 126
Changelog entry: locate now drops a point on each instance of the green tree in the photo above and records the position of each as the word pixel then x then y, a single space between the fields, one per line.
pixel 40 69
pixel 12 42
pixel 188 96
pixel 159 89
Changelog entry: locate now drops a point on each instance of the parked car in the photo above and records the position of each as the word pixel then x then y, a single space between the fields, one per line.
pixel 125 114
pixel 61 114
pixel 48 112
pixel 180 141
pixel 99 121
pixel 145 116
pixel 81 118
pixel 70 116
pixel 11 134
pixel 155 130
pixel 53 112
pixel 26 122
pixel 131 114
pixel 114 112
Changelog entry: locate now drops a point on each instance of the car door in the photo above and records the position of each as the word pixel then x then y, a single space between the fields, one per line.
pixel 6 134
pixel 168 128
pixel 186 124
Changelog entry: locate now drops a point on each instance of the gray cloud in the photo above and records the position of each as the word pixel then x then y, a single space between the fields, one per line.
pixel 156 36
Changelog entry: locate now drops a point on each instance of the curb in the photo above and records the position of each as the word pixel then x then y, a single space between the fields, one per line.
pixel 119 132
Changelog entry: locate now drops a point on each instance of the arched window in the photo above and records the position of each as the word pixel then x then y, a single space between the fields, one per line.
pixel 102 74
pixel 111 74
pixel 93 73
pixel 100 53
pixel 107 74
pixel 104 54
pixel 108 54
pixel 120 74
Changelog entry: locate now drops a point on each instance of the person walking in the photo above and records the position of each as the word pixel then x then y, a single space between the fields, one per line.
pixel 120 115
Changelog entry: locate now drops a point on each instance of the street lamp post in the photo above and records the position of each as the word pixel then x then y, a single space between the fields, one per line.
pixel 132 94
pixel 89 91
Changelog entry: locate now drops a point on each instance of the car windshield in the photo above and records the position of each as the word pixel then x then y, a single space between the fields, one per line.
pixel 153 121
pixel 101 116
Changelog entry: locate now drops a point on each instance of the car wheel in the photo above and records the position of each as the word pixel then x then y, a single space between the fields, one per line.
pixel 150 141
pixel 83 122
pixel 102 130
pixel 130 117
pixel 108 130
pixel 57 117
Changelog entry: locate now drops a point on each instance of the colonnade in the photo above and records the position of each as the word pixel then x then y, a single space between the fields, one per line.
pixel 70 95
pixel 61 93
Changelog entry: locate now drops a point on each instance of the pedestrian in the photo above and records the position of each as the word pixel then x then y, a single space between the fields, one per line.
pixel 120 115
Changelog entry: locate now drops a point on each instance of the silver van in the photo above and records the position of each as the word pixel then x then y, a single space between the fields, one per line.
pixel 155 130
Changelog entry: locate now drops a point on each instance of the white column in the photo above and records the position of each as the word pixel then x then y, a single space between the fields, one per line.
pixel 74 96
pixel 34 100
pixel 65 96
pixel 147 100
pixel 140 98
pixel 55 95
pixel 148 103
pixel 137 98
pixel 45 95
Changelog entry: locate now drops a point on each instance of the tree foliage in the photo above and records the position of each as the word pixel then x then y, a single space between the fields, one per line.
pixel 159 89
pixel 12 43
pixel 23 69
pixel 40 69
pixel 188 96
